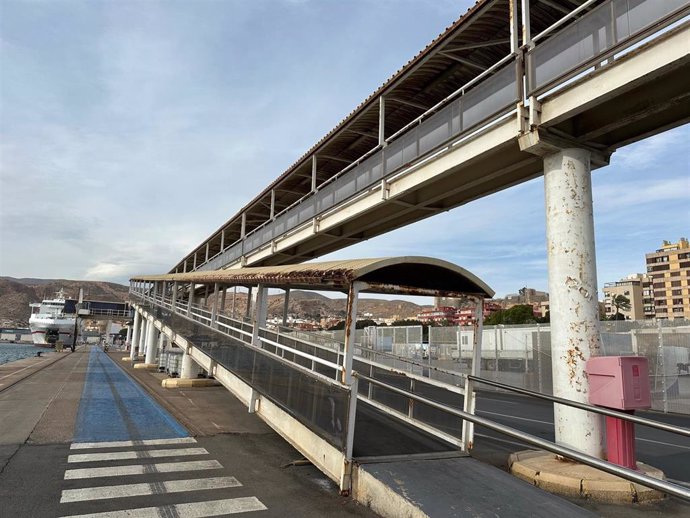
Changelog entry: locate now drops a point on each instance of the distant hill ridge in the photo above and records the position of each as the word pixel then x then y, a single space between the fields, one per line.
pixel 16 294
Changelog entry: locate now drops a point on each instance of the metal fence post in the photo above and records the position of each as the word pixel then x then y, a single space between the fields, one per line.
pixel 346 474
pixel 662 363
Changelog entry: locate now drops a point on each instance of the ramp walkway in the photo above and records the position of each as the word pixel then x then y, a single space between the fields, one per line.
pixel 455 487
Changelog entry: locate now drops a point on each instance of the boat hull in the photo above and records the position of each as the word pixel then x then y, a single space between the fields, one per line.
pixel 45 332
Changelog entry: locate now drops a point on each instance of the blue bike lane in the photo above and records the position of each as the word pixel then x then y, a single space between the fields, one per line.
pixel 114 407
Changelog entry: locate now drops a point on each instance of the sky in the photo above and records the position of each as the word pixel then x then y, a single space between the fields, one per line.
pixel 131 130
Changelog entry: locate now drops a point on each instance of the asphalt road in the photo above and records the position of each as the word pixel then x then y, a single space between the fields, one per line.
pixel 664 450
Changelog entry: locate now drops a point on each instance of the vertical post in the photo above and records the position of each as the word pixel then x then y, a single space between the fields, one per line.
pixel 175 288
pixel 526 30
pixel 190 300
pixel 286 305
pixel 313 173
pixel 249 302
pixel 260 313
pixel 661 362
pixel 470 398
pixel 540 373
pixel 346 474
pixel 144 336
pixel 499 334
pixel 573 294
pixel 382 121
pixel 128 340
pixel 514 26
pixel 234 300
pixel 243 228
pixel 350 331
pixel 223 296
pixel 214 308
pixel 135 335
pixel 222 240
pixel 273 203
pixel 207 249
pixel 151 343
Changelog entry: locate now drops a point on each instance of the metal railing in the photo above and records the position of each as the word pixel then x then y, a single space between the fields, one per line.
pixel 415 398
pixel 628 474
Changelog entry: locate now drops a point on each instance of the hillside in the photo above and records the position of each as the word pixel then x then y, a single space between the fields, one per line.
pixel 304 304
pixel 16 294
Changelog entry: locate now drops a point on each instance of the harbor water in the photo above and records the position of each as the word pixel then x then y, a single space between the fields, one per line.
pixel 10 351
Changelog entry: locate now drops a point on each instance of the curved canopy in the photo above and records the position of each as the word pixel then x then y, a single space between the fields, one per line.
pixel 402 275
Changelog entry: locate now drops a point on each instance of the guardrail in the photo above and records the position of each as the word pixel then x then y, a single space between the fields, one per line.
pixel 628 474
pixel 410 397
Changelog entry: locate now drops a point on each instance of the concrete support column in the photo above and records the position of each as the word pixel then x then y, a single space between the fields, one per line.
pixel 187 370
pixel 134 344
pixel 572 294
pixel 151 343
pixel 141 349
pixel 260 313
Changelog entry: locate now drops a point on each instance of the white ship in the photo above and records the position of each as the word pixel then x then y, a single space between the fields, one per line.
pixel 49 321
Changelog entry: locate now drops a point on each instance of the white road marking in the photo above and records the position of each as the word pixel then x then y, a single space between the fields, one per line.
pixel 125 455
pixel 193 510
pixel 142 469
pixel 664 443
pixel 154 488
pixel 120 444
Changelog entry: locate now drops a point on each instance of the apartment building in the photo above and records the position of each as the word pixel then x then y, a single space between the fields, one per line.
pixel 632 288
pixel 669 269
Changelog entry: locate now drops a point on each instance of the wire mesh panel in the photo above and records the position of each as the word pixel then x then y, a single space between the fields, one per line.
pixel 521 355
pixel 322 406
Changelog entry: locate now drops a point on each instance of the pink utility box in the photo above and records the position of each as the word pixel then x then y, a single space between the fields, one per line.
pixel 620 382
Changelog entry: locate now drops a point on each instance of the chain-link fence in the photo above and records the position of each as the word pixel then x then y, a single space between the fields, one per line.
pixel 520 355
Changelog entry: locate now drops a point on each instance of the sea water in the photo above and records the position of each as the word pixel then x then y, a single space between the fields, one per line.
pixel 10 351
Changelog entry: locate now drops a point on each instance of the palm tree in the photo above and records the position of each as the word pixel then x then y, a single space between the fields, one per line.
pixel 621 303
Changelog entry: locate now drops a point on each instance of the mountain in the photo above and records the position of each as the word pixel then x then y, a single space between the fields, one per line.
pixel 312 305
pixel 16 294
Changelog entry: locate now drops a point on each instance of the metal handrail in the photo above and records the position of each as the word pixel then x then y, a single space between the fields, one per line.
pixel 560 22
pixel 613 469
pixel 590 408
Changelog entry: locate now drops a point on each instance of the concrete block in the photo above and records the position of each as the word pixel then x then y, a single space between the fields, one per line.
pixel 126 359
pixel 572 479
pixel 147 366
pixel 188 383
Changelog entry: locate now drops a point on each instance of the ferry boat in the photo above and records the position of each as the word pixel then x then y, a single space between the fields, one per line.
pixel 52 320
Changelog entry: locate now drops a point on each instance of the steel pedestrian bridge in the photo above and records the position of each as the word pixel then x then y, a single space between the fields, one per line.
pixel 460 121
pixel 511 91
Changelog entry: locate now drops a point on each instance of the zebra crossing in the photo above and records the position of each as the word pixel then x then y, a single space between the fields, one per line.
pixel 117 466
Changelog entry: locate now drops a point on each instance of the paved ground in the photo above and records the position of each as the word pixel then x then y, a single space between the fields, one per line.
pixel 236 459
pixel 236 464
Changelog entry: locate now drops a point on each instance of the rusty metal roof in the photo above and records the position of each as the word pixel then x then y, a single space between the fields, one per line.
pixel 401 275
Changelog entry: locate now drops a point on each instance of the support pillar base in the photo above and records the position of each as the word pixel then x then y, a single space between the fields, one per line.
pixel 571 479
